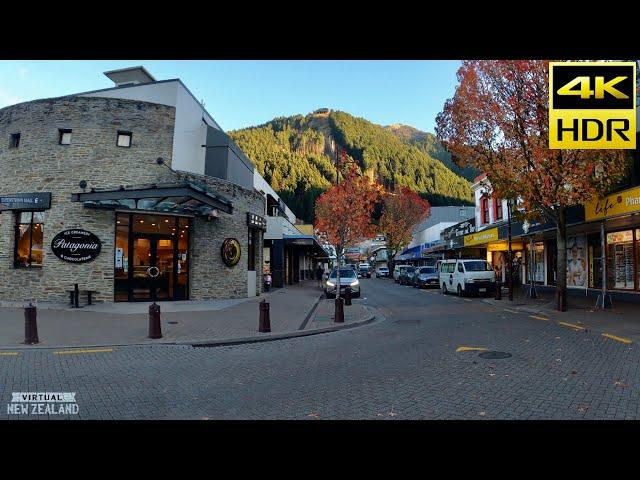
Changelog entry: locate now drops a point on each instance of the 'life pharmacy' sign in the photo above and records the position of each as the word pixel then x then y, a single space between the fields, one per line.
pixel 613 205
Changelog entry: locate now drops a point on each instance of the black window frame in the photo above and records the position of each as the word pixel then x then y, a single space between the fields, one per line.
pixel 17 224
pixel 14 141
pixel 127 133
pixel 252 240
pixel 61 132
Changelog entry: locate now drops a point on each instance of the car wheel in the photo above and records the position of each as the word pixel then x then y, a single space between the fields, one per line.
pixel 459 291
pixel 444 289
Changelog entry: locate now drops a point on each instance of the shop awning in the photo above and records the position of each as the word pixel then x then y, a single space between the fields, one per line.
pixel 309 241
pixel 189 198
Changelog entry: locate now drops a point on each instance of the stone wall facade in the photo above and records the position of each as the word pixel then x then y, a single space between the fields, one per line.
pixel 41 164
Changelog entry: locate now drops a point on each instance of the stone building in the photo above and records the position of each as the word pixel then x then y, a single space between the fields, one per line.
pixel 128 193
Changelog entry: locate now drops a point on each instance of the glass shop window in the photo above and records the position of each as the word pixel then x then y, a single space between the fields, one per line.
pixel 29 239
pixel 621 265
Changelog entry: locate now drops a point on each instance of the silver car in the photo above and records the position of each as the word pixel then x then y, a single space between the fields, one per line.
pixel 348 278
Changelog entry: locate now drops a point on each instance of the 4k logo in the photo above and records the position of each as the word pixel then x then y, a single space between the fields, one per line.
pixel 592 105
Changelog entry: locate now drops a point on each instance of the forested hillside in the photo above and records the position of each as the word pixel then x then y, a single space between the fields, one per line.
pixel 428 143
pixel 295 155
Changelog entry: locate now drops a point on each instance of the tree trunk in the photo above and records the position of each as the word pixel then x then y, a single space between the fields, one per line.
pixel 561 266
pixel 338 257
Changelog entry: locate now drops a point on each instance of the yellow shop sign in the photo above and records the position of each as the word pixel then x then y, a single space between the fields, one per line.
pixel 613 205
pixel 479 238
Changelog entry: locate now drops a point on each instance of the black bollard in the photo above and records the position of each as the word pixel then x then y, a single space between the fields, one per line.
pixel 498 290
pixel 30 325
pixel 264 325
pixel 339 314
pixel 347 296
pixel 155 329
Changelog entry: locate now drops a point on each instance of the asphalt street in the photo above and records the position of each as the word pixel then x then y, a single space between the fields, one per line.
pixel 419 360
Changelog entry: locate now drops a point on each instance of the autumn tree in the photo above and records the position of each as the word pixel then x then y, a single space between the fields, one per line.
pixel 498 122
pixel 402 210
pixel 343 213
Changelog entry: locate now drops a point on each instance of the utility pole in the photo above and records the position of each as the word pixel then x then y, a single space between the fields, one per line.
pixel 510 262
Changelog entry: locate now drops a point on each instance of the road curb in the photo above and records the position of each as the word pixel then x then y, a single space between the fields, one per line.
pixel 205 343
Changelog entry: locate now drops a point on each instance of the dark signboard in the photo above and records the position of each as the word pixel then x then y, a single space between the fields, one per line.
pixel 256 221
pixel 230 252
pixel 26 201
pixel 76 246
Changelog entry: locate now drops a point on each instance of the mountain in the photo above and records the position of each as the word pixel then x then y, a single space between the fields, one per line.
pixel 428 143
pixel 296 156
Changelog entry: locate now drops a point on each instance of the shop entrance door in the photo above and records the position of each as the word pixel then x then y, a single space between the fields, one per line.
pixel 153 268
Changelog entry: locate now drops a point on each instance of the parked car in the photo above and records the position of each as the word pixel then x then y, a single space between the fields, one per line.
pixel 397 271
pixel 467 276
pixel 426 277
pixel 348 277
pixel 406 277
pixel 365 272
pixel 382 272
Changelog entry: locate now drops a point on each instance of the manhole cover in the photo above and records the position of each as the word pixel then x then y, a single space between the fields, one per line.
pixel 172 323
pixel 492 355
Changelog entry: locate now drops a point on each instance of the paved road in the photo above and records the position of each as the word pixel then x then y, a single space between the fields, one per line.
pixel 405 366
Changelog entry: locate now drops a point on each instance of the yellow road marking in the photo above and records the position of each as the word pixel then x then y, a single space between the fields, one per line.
pixel 537 317
pixel 469 349
pixel 512 311
pixel 7 354
pixel 571 325
pixel 95 350
pixel 618 339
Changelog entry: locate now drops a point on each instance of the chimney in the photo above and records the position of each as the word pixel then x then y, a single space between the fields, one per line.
pixel 129 76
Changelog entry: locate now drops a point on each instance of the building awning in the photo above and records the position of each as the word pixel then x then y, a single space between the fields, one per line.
pixel 309 241
pixel 187 198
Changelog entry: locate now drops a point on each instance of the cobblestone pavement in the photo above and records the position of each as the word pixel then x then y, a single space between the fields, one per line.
pixel 409 365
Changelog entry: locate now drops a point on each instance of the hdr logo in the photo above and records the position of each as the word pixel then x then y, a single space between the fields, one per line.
pixel 592 105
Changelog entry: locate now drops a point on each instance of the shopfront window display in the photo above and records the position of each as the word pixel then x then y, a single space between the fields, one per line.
pixel 576 262
pixel 29 240
pixel 621 262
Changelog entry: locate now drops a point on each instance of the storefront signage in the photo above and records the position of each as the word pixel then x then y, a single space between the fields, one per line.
pixel 503 246
pixel 26 201
pixel 76 246
pixel 256 221
pixel 479 238
pixel 613 205
pixel 459 229
pixel 620 237
pixel 230 252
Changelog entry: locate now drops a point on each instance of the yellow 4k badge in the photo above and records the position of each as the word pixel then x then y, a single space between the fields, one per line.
pixel 592 105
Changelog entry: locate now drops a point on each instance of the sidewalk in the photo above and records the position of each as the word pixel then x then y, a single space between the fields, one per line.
pixel 292 309
pixel 621 320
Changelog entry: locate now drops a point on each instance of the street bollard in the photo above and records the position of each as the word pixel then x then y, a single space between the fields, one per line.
pixel 347 296
pixel 30 325
pixel 498 290
pixel 339 314
pixel 155 329
pixel 264 326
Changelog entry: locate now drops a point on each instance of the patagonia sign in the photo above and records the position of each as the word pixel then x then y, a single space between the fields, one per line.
pixel 613 205
pixel 479 238
pixel 76 246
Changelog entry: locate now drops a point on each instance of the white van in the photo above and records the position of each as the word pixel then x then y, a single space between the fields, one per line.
pixel 397 270
pixel 467 276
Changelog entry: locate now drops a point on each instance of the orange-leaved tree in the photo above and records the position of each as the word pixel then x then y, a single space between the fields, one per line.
pixel 498 122
pixel 344 212
pixel 402 210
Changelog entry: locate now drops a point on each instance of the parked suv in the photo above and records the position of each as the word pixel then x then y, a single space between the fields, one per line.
pixel 468 276
pixel 365 272
pixel 397 271
pixel 348 277
pixel 426 277
pixel 382 272
pixel 406 277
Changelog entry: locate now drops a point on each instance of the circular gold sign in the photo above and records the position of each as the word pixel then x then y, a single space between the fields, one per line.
pixel 230 252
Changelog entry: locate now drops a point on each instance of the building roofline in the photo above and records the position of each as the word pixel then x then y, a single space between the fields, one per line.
pixel 128 69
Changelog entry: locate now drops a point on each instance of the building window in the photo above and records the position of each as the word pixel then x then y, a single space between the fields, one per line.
pixel 29 239
pixel 621 264
pixel 498 209
pixel 124 139
pixel 484 205
pixel 64 137
pixel 14 141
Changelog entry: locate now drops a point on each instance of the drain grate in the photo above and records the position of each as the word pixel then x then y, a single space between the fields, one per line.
pixel 493 355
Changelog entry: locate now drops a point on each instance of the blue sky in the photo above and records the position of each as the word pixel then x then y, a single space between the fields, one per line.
pixel 243 93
